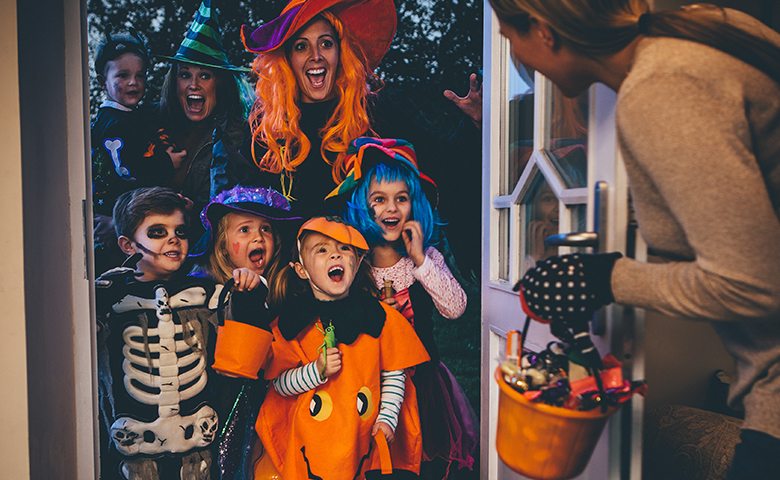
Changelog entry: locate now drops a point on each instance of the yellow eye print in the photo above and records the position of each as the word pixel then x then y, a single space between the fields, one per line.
pixel 321 406
pixel 365 403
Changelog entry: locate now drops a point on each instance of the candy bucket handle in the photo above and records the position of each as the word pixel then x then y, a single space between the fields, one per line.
pixel 383 448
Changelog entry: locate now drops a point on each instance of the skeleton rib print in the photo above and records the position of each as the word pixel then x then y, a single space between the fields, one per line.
pixel 164 365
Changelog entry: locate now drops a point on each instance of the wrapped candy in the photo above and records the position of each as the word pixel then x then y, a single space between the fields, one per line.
pixel 544 377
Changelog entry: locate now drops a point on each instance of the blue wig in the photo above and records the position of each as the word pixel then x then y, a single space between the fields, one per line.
pixel 359 214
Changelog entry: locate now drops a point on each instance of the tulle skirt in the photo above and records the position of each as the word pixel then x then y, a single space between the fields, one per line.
pixel 450 429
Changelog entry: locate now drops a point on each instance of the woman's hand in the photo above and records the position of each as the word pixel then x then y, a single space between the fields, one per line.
pixel 333 364
pixel 389 435
pixel 176 157
pixel 471 104
pixel 188 203
pixel 103 232
pixel 246 279
pixel 413 241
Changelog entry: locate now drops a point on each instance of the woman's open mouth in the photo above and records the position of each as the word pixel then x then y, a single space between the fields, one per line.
pixel 316 76
pixel 195 103
pixel 336 273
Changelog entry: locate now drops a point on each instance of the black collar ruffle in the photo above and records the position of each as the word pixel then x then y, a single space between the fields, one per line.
pixel 358 313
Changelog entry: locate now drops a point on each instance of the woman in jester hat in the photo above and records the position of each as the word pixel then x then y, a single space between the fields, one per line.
pixel 204 105
pixel 317 91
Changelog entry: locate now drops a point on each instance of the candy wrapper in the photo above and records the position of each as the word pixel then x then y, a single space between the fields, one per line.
pixel 547 377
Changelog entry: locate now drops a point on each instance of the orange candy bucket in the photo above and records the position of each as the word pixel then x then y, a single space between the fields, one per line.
pixel 545 442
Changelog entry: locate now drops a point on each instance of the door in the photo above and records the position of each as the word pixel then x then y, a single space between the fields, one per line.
pixel 544 155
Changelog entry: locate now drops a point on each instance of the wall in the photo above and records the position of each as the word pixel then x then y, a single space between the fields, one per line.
pixel 51 124
pixel 14 456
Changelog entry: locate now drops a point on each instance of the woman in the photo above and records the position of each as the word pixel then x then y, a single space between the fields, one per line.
pixel 317 92
pixel 203 108
pixel 698 121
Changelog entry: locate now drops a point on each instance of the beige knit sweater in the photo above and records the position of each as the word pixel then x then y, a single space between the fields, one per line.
pixel 700 134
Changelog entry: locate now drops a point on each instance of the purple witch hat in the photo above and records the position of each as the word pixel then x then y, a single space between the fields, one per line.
pixel 265 202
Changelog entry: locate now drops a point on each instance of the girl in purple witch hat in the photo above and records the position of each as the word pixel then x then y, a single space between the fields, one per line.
pixel 242 243
pixel 242 234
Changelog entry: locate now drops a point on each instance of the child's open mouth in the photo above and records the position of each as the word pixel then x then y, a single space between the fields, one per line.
pixel 336 273
pixel 256 257
pixel 316 77
pixel 195 103
pixel 391 222
pixel 172 255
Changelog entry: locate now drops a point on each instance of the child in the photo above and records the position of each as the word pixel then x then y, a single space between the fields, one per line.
pixel 328 401
pixel 121 134
pixel 242 231
pixel 159 398
pixel 391 204
pixel 242 238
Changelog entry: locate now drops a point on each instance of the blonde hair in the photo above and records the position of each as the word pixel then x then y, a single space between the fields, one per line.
pixel 275 119
pixel 601 27
pixel 221 267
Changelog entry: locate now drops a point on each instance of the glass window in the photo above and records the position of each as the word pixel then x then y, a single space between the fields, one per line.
pixel 566 142
pixel 549 145
pixel 504 243
pixel 520 142
pixel 541 208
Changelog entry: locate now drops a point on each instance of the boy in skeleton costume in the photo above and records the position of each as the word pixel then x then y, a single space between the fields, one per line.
pixel 162 403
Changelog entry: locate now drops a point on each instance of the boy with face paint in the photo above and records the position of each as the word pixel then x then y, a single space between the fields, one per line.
pixel 330 399
pixel 161 402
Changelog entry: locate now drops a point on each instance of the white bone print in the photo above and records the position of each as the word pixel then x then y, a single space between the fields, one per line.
pixel 113 146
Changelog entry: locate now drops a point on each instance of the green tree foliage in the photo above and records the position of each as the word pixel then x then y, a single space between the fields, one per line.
pixel 437 45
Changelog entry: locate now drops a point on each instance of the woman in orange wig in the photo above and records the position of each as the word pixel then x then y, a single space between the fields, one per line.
pixel 317 92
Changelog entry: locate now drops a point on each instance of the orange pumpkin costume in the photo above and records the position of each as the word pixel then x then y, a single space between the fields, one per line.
pixel 326 432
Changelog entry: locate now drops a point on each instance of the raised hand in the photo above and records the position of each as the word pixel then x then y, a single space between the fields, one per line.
pixel 471 104
pixel 245 279
pixel 413 241
pixel 329 362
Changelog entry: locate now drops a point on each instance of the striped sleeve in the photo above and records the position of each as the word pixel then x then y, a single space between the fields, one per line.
pixel 296 381
pixel 392 388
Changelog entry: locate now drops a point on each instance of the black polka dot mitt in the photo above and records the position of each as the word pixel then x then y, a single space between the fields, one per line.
pixel 568 287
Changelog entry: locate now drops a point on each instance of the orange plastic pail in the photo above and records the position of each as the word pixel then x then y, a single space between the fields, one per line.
pixel 545 442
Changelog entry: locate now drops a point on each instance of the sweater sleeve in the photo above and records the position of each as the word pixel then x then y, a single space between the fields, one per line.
pixel 700 198
pixel 296 381
pixel 446 292
pixel 392 387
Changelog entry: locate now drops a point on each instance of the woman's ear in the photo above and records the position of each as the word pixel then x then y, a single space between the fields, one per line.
pixel 544 32
pixel 126 245
pixel 101 81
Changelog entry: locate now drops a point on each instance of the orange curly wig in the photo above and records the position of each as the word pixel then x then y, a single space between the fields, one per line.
pixel 275 119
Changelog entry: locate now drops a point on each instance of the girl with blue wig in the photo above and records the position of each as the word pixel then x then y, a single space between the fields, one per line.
pixel 391 203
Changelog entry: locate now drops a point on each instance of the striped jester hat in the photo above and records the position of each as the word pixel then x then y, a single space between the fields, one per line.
pixel 202 45
pixel 364 153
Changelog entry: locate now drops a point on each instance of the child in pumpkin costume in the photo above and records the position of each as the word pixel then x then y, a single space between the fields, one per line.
pixel 354 390
pixel 391 203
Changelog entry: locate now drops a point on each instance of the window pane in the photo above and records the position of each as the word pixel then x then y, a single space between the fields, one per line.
pixel 567 139
pixel 541 214
pixel 504 242
pixel 521 124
